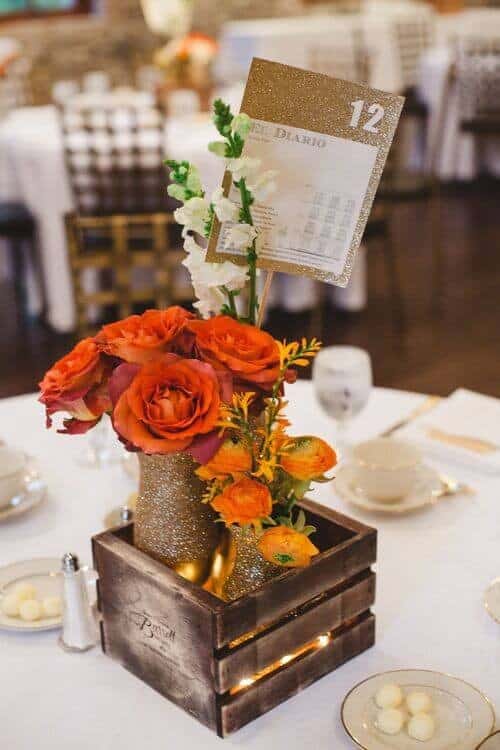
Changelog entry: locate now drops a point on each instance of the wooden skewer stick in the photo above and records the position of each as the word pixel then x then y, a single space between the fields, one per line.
pixel 263 299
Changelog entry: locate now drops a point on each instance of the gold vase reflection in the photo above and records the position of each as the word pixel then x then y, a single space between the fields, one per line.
pixel 238 565
pixel 172 525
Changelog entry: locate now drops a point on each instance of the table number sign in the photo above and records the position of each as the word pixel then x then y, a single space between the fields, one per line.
pixel 328 139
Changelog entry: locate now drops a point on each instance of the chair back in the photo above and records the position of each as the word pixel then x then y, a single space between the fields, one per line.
pixel 114 158
pixel 414 32
pixel 342 55
pixel 122 264
pixel 477 71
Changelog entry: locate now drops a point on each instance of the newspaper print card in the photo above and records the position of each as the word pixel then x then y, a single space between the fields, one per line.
pixel 328 139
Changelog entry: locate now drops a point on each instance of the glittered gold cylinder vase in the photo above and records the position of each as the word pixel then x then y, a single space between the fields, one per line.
pixel 171 523
pixel 246 569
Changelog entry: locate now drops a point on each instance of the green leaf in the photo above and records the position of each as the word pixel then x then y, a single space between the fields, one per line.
pixel 301 521
pixel 219 148
pixel 308 530
pixel 283 558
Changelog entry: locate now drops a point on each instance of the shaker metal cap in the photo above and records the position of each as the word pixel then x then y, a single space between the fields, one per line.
pixel 70 563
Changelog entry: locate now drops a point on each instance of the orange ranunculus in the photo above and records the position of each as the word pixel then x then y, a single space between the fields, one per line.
pixel 233 457
pixel 307 457
pixel 167 404
pixel 142 338
pixel 77 384
pixel 249 353
pixel 244 502
pixel 282 545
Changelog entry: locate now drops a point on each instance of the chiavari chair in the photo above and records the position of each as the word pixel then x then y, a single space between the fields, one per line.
pixel 477 72
pixel 137 258
pixel 122 231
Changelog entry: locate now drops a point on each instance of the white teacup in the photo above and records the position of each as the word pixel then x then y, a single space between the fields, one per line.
pixel 385 469
pixel 12 470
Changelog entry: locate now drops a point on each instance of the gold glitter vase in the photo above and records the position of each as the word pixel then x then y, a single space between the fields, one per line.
pixel 171 523
pixel 245 568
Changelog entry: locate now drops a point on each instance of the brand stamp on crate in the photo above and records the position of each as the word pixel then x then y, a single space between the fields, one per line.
pixel 226 663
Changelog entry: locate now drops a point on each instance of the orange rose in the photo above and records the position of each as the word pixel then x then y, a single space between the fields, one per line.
pixel 77 384
pixel 249 353
pixel 243 502
pixel 233 457
pixel 167 404
pixel 282 545
pixel 307 457
pixel 142 338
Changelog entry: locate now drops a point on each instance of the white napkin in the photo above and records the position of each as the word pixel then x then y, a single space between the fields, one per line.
pixel 464 414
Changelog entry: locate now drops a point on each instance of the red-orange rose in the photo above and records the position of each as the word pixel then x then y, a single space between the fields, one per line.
pixel 250 354
pixel 167 405
pixel 142 338
pixel 244 502
pixel 77 384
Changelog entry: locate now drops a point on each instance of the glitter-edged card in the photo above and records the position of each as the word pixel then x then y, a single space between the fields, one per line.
pixel 328 139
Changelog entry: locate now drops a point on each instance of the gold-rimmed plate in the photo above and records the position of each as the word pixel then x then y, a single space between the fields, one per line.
pixel 464 716
pixel 423 493
pixel 490 743
pixel 33 492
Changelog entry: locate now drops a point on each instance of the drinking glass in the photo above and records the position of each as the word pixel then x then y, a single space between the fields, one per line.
pixel 342 378
pixel 103 448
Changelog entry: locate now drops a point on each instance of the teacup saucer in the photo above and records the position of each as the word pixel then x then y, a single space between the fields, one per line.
pixel 427 485
pixel 30 496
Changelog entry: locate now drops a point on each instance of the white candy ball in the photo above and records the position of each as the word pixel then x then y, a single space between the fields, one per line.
pixel 51 606
pixel 30 610
pixel 421 727
pixel 418 702
pixel 389 696
pixel 25 591
pixel 390 720
pixel 10 605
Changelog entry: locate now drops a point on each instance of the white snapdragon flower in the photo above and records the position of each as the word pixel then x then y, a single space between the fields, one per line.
pixel 244 167
pixel 209 278
pixel 225 210
pixel 193 215
pixel 263 185
pixel 241 236
pixel 210 301
pixel 241 124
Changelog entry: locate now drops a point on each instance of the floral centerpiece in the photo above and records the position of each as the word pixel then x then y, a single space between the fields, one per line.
pixel 201 400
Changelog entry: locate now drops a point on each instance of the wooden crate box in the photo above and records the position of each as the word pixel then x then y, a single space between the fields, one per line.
pixel 228 663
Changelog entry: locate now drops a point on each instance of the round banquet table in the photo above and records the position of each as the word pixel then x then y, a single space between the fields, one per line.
pixel 433 568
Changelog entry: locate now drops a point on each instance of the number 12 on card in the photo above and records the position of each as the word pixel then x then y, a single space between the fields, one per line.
pixel 360 108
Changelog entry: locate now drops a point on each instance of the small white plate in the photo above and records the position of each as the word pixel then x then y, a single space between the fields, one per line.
pixel 464 716
pixel 423 493
pixel 34 492
pixel 44 574
pixel 492 600
pixel 490 743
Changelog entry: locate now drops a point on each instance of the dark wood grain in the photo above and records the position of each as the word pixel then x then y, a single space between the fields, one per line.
pixel 356 597
pixel 176 637
pixel 273 690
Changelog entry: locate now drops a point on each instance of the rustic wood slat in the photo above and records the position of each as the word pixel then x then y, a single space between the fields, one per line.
pixel 176 636
pixel 297 585
pixel 278 687
pixel 285 638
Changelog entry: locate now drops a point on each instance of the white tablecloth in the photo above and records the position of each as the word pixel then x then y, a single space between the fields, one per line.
pixel 32 171
pixel 433 568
